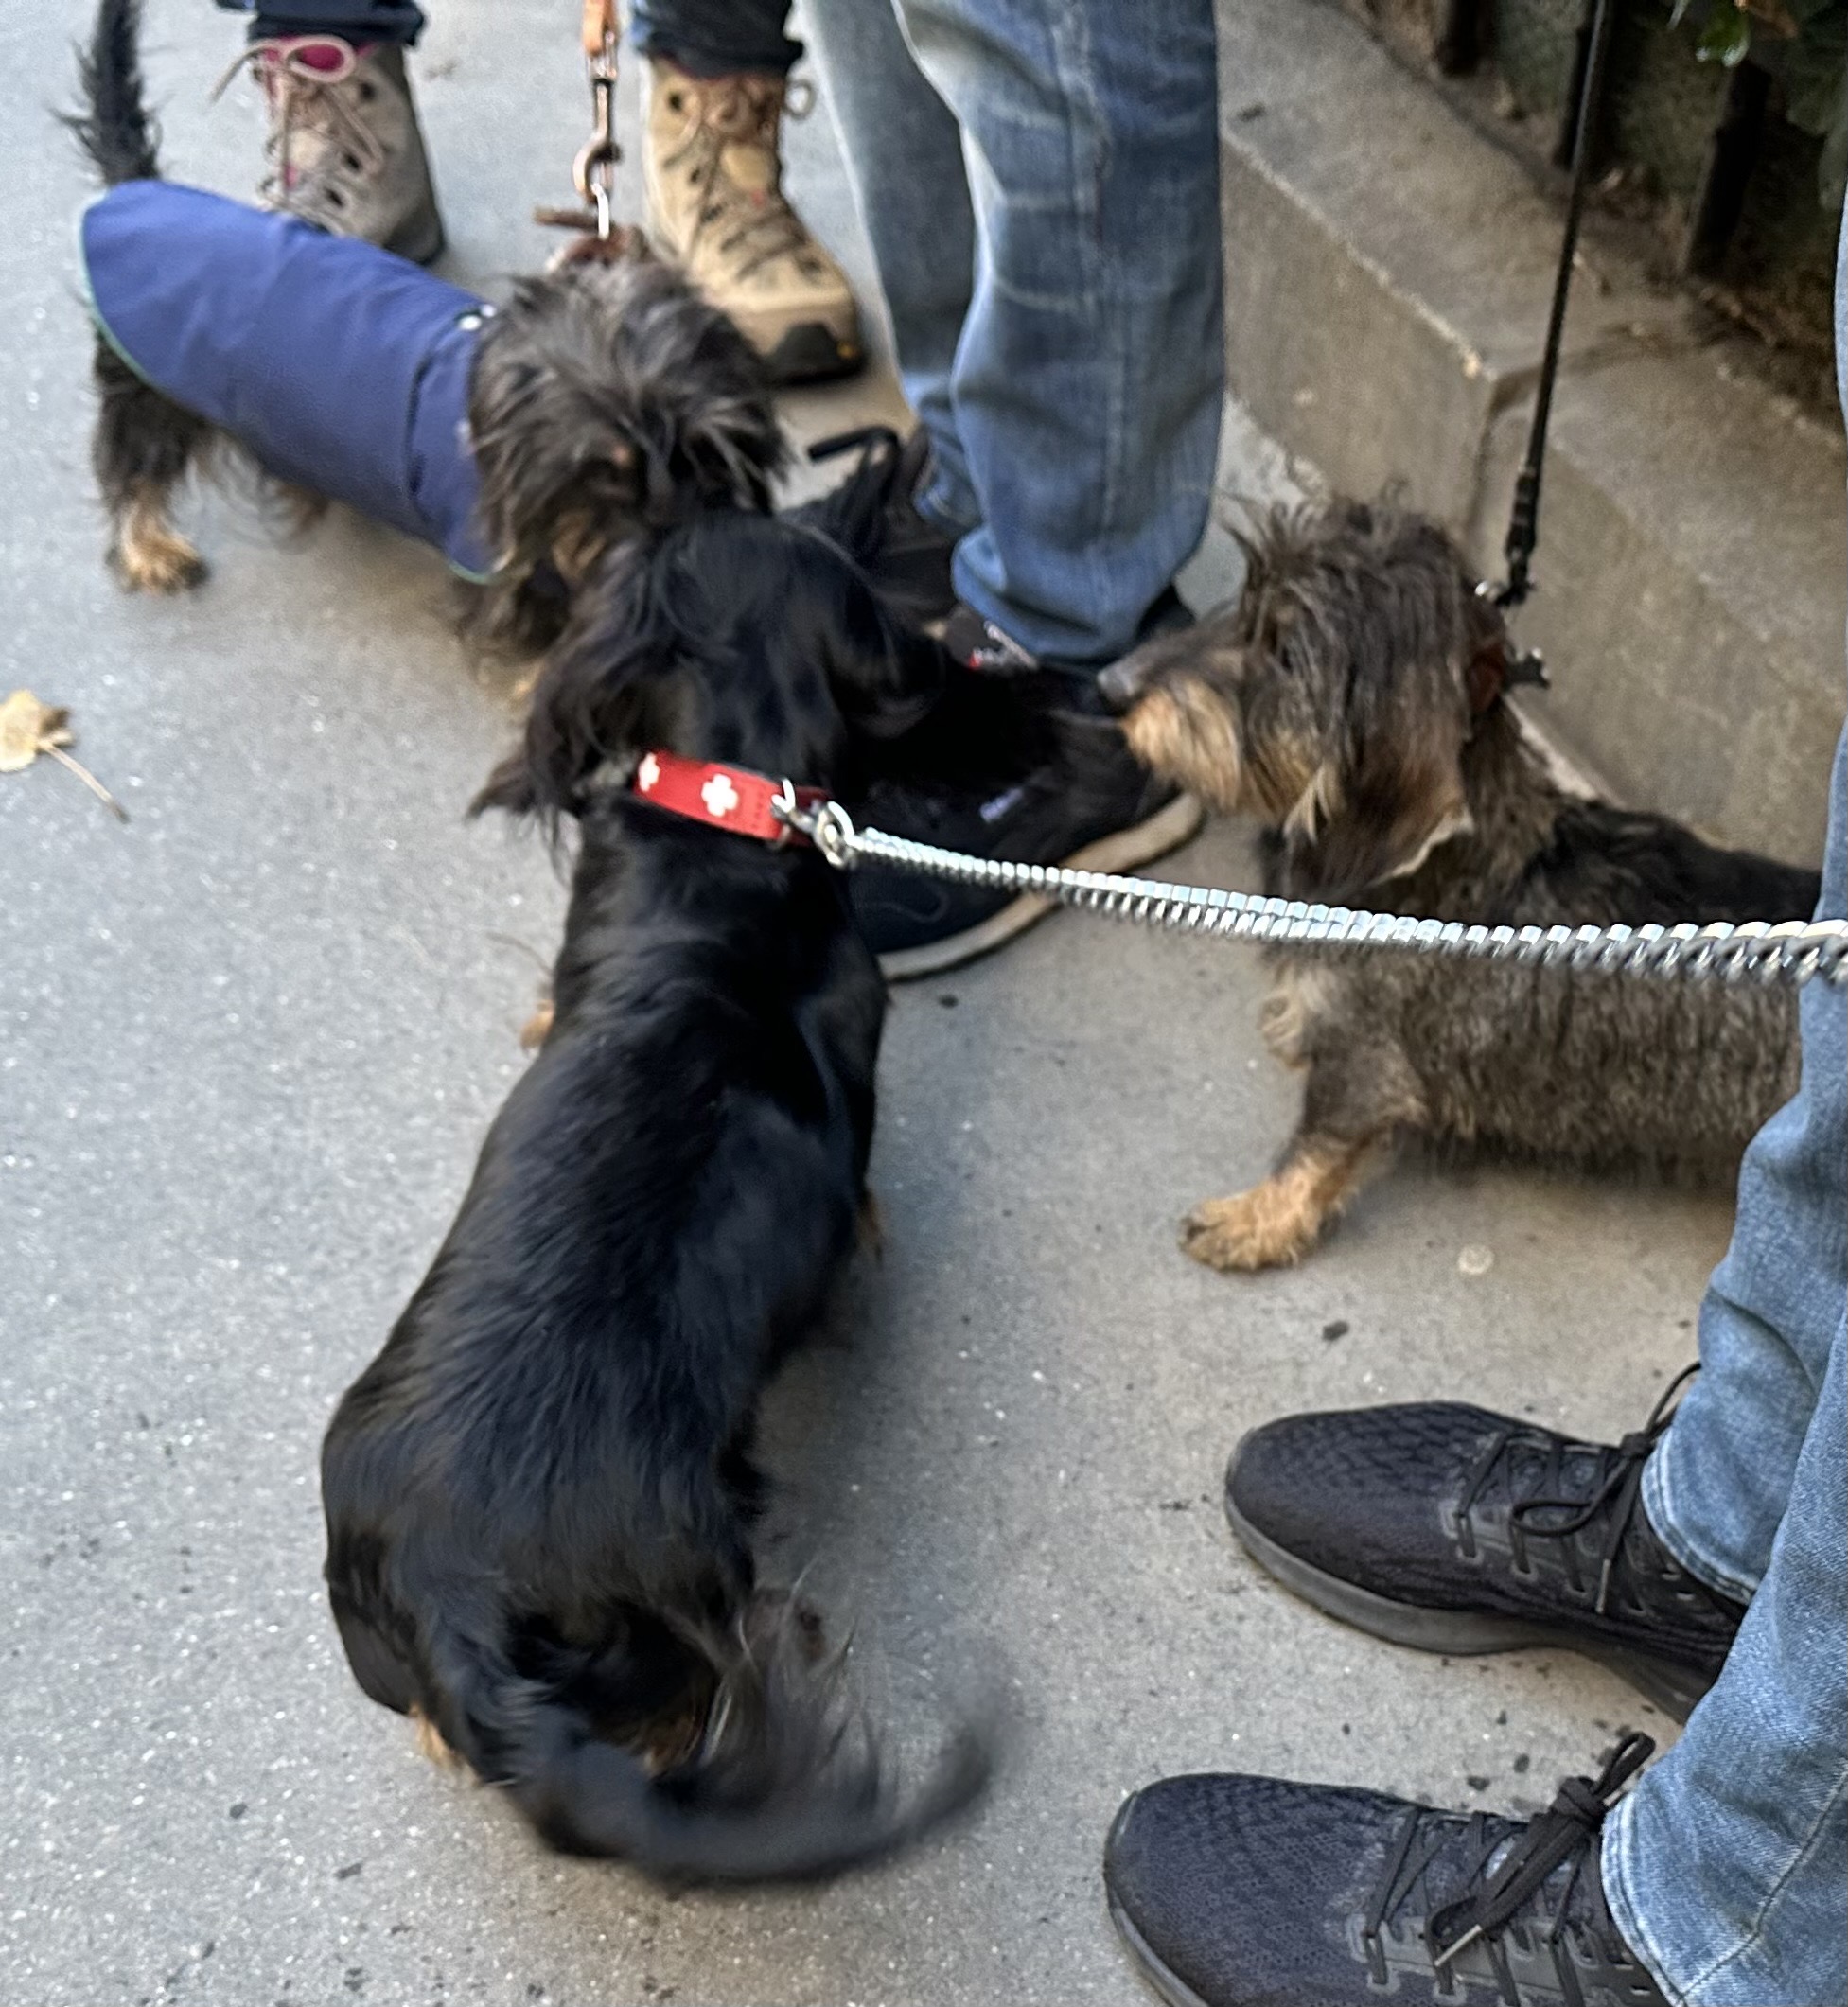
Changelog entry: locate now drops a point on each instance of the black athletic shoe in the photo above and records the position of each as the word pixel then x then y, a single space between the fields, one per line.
pixel 1012 766
pixel 1450 1529
pixel 1248 1892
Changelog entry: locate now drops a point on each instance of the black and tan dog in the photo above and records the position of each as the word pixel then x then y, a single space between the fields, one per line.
pixel 1351 699
pixel 540 1494
pixel 524 438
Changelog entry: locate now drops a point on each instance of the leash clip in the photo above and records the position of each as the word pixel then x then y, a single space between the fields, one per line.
pixel 594 172
pixel 796 821
pixel 825 824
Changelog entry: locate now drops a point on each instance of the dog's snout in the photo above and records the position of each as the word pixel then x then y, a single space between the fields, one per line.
pixel 1122 683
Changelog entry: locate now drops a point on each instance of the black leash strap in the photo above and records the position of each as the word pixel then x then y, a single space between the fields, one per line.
pixel 1523 521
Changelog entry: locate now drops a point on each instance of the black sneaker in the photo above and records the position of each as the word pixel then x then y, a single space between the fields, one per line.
pixel 873 516
pixel 1450 1529
pixel 1248 1892
pixel 1012 766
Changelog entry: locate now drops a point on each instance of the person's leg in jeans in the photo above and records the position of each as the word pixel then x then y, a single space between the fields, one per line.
pixel 1726 1866
pixel 345 150
pixel 715 86
pixel 1059 159
pixel 903 152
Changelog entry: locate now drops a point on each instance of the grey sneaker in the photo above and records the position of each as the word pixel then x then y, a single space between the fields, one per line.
pixel 716 208
pixel 345 151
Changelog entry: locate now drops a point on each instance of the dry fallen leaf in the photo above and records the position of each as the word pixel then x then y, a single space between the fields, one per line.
pixel 29 727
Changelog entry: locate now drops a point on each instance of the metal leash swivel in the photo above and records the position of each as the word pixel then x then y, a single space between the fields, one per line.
pixel 1790 951
pixel 593 169
pixel 594 172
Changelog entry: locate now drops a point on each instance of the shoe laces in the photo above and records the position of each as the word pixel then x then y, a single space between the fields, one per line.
pixel 1553 1512
pixel 753 226
pixel 308 80
pixel 1503 1888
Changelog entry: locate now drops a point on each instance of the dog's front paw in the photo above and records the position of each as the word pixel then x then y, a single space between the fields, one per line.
pixel 537 1028
pixel 1265 1227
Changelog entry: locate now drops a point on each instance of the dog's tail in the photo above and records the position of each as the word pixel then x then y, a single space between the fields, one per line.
pixel 787 1781
pixel 111 122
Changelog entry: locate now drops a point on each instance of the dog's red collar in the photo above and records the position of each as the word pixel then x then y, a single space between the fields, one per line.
pixel 732 798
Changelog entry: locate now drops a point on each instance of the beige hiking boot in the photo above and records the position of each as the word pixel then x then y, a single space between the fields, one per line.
pixel 716 208
pixel 345 151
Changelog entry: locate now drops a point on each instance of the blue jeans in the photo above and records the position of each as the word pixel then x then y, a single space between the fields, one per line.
pixel 1727 1867
pixel 712 38
pixel 1040 182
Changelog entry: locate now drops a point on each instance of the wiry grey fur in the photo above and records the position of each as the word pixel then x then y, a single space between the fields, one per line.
pixel 1352 700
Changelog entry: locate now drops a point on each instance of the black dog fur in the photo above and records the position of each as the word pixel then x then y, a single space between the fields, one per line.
pixel 539 1496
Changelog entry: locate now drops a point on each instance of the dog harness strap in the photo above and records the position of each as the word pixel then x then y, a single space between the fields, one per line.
pixel 729 797
pixel 339 366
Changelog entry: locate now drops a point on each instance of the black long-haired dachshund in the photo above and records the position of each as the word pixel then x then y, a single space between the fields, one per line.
pixel 539 1495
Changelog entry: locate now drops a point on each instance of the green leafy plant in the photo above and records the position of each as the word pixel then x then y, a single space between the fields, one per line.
pixel 1804 44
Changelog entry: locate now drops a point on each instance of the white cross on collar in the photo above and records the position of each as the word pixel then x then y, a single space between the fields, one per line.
pixel 719 795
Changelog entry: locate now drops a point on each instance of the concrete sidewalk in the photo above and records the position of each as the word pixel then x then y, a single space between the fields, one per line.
pixel 248 1047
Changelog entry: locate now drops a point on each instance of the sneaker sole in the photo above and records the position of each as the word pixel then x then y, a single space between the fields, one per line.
pixel 1121 851
pixel 1461 1634
pixel 1169 1985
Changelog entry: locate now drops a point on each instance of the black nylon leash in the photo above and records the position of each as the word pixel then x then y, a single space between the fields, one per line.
pixel 1523 520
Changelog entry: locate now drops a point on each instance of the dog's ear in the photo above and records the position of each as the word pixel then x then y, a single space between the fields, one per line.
pixel 1387 629
pixel 698 400
pixel 586 710
pixel 723 447
pixel 1382 800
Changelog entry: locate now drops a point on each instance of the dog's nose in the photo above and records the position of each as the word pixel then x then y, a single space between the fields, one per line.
pixel 1122 683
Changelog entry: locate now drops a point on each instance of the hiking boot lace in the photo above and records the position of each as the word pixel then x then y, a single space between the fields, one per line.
pixel 752 226
pixel 1552 1513
pixel 1494 1894
pixel 308 79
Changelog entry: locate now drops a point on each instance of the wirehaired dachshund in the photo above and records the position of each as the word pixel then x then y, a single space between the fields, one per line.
pixel 1352 699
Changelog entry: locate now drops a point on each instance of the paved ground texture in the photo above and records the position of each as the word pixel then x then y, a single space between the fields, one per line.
pixel 247 1047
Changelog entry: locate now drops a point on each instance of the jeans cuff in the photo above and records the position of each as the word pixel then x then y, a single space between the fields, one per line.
pixel 762 59
pixel 1617 1869
pixel 1659 1494
pixel 936 509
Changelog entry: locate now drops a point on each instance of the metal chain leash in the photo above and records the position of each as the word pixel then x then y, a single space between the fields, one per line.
pixel 1792 951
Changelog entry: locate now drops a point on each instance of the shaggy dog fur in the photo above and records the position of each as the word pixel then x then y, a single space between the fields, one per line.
pixel 539 1496
pixel 1351 699
pixel 606 400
